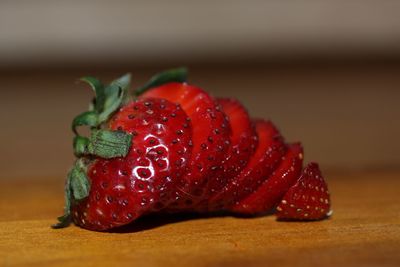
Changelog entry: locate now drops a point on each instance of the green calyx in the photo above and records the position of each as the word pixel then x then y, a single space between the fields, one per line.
pixel 107 101
pixel 102 142
pixel 76 188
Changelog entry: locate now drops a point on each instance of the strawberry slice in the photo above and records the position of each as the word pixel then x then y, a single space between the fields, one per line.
pixel 269 193
pixel 210 138
pixel 243 143
pixel 308 199
pixel 270 150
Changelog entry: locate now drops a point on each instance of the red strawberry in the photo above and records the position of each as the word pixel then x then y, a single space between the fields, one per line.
pixel 268 194
pixel 308 199
pixel 210 138
pixel 123 189
pixel 178 149
pixel 268 155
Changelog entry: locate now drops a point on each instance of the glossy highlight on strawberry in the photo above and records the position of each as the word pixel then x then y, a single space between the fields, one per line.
pixel 123 190
pixel 175 148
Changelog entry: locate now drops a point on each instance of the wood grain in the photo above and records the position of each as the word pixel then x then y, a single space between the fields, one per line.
pixel 364 231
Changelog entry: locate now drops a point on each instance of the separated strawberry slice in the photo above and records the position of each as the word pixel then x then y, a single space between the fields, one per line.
pixel 308 199
pixel 210 138
pixel 270 150
pixel 269 193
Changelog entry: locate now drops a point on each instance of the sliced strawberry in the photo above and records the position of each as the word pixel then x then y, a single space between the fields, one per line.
pixel 269 193
pixel 210 138
pixel 308 199
pixel 123 189
pixel 270 150
pixel 243 142
pixel 177 149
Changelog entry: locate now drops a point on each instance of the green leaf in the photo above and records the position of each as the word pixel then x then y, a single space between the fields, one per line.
pixel 80 185
pixel 103 143
pixel 124 82
pixel 77 187
pixel 109 144
pixel 98 88
pixel 81 145
pixel 108 99
pixel 87 118
pixel 172 75
pixel 63 221
pixel 112 103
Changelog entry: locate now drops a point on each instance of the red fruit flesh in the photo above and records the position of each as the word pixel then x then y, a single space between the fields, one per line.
pixel 243 144
pixel 308 199
pixel 270 150
pixel 210 139
pixel 269 193
pixel 123 189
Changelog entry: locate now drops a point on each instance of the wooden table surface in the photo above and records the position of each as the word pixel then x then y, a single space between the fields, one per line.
pixel 364 231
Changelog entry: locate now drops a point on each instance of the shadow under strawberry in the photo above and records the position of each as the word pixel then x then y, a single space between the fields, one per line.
pixel 156 220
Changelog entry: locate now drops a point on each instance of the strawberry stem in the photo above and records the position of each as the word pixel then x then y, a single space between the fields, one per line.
pixel 172 75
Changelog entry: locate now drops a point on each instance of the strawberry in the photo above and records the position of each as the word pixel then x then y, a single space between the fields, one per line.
pixel 270 150
pixel 210 139
pixel 269 193
pixel 307 199
pixel 123 189
pixel 177 149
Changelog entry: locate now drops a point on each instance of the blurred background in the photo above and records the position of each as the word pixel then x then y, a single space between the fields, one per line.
pixel 326 72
